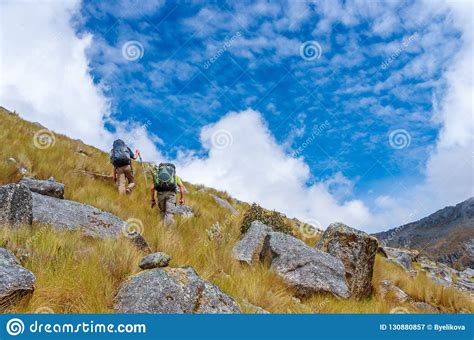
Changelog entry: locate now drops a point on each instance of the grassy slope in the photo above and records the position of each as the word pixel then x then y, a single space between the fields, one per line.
pixel 81 275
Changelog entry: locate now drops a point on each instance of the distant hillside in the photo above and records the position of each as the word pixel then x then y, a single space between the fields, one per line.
pixel 446 236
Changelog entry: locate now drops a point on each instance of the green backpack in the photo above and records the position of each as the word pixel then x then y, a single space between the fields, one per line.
pixel 164 177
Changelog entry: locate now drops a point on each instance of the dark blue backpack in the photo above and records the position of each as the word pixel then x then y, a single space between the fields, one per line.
pixel 120 154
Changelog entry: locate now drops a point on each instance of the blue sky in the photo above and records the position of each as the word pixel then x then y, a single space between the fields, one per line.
pixel 379 73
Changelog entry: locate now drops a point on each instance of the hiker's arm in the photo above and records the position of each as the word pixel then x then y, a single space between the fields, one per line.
pixel 181 194
pixel 153 202
pixel 137 154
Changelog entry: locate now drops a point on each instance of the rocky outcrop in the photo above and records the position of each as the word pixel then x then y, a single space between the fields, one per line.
pixel 357 251
pixel 248 249
pixel 155 260
pixel 48 188
pixel 15 205
pixel 70 215
pixel 306 269
pixel 402 257
pixel 444 236
pixel 172 291
pixel 224 204
pixel 16 282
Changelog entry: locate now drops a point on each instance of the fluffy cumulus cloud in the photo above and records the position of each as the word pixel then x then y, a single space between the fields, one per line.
pixel 244 159
pixel 46 78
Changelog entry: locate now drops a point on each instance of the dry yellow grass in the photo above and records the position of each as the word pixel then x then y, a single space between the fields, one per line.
pixel 81 275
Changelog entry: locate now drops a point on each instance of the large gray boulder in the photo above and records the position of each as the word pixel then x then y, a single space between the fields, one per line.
pixel 172 291
pixel 248 249
pixel 226 205
pixel 357 251
pixel 16 282
pixel 307 270
pixel 48 188
pixel 15 205
pixel 70 215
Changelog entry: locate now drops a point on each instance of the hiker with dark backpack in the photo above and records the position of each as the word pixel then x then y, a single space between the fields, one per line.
pixel 166 183
pixel 121 158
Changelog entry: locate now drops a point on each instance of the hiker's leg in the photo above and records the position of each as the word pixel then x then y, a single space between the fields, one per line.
pixel 162 204
pixel 170 207
pixel 130 178
pixel 121 180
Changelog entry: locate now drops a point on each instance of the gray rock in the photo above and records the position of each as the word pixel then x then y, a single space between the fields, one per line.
pixel 404 260
pixel 307 270
pixel 183 210
pixel 155 260
pixel 357 251
pixel 425 307
pixel 253 309
pixel 138 241
pixel 403 257
pixel 16 282
pixel 248 249
pixel 15 205
pixel 224 204
pixel 48 188
pixel 387 287
pixel 70 215
pixel 172 291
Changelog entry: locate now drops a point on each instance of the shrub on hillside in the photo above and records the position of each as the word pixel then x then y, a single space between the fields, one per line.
pixel 273 219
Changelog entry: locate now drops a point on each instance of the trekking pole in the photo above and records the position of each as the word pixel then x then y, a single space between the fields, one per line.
pixel 143 169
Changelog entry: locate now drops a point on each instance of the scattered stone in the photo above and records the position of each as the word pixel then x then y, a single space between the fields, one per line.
pixel 425 307
pixel 22 170
pixel 83 153
pixel 139 241
pixel 95 175
pixel 357 251
pixel 16 282
pixel 253 309
pixel 248 249
pixel 183 210
pixel 15 205
pixel 307 270
pixel 155 260
pixel 172 291
pixel 48 188
pixel 402 257
pixel 387 287
pixel 224 204
pixel 70 215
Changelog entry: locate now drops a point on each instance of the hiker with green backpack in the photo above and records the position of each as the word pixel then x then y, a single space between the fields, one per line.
pixel 166 183
pixel 121 157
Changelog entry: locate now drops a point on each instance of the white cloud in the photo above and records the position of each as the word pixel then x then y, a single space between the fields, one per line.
pixel 45 74
pixel 254 167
